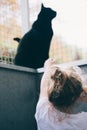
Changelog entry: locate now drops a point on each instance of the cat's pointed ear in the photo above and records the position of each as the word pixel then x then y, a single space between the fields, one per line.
pixel 42 6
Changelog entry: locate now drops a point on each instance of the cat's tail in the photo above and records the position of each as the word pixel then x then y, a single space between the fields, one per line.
pixel 17 39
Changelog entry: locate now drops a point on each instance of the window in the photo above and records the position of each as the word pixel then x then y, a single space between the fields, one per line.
pixel 69 42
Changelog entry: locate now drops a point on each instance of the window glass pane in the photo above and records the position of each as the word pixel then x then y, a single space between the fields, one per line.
pixel 10 27
pixel 69 42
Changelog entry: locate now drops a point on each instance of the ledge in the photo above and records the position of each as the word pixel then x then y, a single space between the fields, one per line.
pixel 18 68
pixel 41 70
pixel 79 63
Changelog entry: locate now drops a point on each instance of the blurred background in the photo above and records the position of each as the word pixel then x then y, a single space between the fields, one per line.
pixel 69 42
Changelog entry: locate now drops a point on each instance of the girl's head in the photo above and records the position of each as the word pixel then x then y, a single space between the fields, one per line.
pixel 67 87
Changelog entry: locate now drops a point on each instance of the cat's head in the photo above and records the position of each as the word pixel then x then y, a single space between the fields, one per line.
pixel 47 12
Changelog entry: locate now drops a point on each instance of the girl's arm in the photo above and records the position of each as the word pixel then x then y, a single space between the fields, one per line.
pixel 46 78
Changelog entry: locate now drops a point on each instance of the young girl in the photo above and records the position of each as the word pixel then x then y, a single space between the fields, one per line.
pixel 60 90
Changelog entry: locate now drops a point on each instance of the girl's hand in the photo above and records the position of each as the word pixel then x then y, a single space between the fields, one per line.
pixel 46 76
pixel 48 63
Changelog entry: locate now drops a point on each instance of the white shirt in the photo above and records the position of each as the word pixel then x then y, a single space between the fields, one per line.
pixel 48 118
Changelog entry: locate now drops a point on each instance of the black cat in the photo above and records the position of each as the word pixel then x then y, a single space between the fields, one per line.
pixel 33 48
